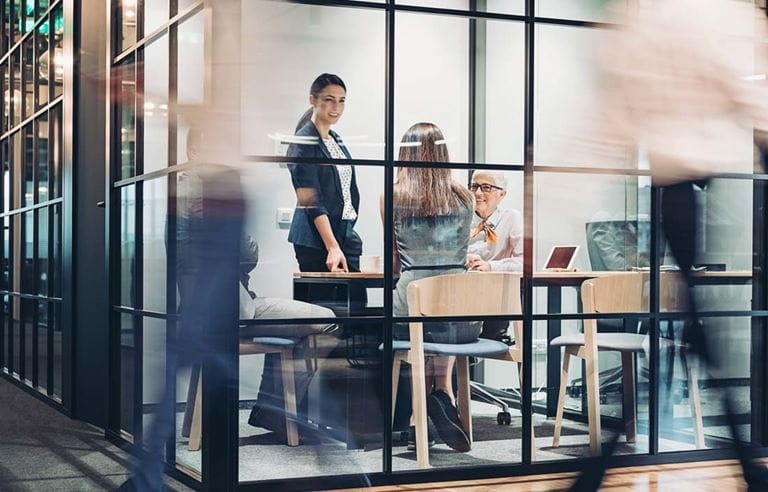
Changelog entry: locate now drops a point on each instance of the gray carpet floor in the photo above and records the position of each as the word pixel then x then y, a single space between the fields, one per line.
pixel 42 450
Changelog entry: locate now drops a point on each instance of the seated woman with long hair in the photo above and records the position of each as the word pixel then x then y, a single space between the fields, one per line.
pixel 432 217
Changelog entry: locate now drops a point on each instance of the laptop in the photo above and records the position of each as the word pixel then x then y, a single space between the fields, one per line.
pixel 561 258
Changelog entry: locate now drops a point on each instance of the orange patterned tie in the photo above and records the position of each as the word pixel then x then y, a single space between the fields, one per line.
pixel 490 232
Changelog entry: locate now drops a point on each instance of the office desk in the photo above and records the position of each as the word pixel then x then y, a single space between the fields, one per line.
pixel 552 281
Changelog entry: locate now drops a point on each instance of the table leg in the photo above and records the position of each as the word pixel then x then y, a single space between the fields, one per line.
pixel 554 306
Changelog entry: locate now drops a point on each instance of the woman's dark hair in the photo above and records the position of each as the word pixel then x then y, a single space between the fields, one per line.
pixel 321 82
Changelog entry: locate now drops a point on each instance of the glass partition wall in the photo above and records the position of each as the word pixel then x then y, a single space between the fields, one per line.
pixel 512 86
pixel 35 69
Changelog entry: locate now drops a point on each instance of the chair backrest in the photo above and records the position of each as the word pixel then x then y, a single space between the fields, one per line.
pixel 467 294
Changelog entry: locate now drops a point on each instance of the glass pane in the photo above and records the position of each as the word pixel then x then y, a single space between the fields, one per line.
pixel 7 160
pixel 7 96
pixel 15 344
pixel 591 10
pixel 28 310
pixel 57 152
pixel 609 221
pixel 127 109
pixel 127 24
pixel 127 372
pixel 516 7
pixel 28 53
pixel 42 7
pixel 27 257
pixel 28 9
pixel 59 60
pixel 684 380
pixel 724 243
pixel 28 171
pixel 43 243
pixel 16 96
pixel 154 211
pixel 153 359
pixel 184 4
pixel 417 76
pixel 43 63
pixel 339 418
pixel 568 100
pixel 127 245
pixel 57 352
pixel 155 14
pixel 43 175
pixel 268 122
pixel 57 251
pixel 7 26
pixel 622 386
pixel 42 345
pixel 17 17
pixel 191 60
pixel 155 107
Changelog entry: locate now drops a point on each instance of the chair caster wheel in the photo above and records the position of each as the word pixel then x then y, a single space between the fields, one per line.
pixel 503 418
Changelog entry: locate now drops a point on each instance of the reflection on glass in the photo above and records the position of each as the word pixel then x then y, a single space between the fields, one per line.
pixel 154 210
pixel 56 271
pixel 609 219
pixel 153 358
pixel 155 105
pixel 127 111
pixel 28 54
pixel 27 253
pixel 155 14
pixel 56 148
pixel 5 145
pixel 5 84
pixel 28 169
pixel 43 244
pixel 128 16
pixel 17 18
pixel 568 100
pixel 27 313
pixel 271 121
pixel 14 94
pixel 417 76
pixel 351 420
pixel 59 60
pixel 185 4
pixel 724 245
pixel 127 372
pixel 191 60
pixel 127 244
pixel 43 175
pixel 43 64
pixel 58 360
pixel 42 6
pixel 42 345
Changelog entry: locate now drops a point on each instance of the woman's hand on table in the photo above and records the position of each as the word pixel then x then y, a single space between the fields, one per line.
pixel 336 261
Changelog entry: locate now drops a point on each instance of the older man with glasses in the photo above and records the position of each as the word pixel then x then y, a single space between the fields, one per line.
pixel 496 242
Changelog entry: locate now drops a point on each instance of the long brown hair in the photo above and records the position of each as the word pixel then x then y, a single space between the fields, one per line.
pixel 427 191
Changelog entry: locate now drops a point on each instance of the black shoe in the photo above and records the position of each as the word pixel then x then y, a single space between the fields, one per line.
pixel 446 419
pixel 267 418
pixel 410 438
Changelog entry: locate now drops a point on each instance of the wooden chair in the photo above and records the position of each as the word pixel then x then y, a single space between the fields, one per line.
pixel 622 292
pixel 259 345
pixel 468 294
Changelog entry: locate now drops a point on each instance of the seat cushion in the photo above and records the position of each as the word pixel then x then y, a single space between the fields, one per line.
pixel 480 348
pixel 273 341
pixel 623 342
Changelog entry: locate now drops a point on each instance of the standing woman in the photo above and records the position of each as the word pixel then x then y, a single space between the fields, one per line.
pixel 322 230
pixel 432 218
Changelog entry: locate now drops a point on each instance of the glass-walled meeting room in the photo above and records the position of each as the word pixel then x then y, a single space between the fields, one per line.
pixel 446 145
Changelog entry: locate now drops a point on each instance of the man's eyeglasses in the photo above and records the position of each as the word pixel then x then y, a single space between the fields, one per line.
pixel 485 187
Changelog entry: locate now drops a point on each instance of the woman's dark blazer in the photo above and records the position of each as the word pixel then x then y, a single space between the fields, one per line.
pixel 324 180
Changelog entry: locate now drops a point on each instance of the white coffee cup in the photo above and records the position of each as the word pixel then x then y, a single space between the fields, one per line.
pixel 370 264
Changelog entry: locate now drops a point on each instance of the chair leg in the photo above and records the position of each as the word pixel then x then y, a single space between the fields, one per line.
pixel 695 399
pixel 195 432
pixel 561 399
pixel 629 410
pixel 593 405
pixel 194 375
pixel 397 362
pixel 289 396
pixel 465 399
pixel 520 375
pixel 419 396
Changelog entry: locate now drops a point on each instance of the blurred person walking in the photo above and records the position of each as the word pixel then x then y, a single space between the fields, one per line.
pixel 680 86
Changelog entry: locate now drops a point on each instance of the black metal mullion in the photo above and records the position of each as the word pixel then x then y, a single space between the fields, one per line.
pixel 528 200
pixel 389 151
pixel 138 258
pixel 654 308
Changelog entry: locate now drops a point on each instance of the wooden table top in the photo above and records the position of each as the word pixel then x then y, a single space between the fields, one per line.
pixel 538 275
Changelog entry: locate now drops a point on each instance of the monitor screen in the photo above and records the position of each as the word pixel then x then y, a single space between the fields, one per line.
pixel 561 257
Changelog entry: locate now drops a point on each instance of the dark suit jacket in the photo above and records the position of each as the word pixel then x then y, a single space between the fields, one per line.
pixel 324 180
